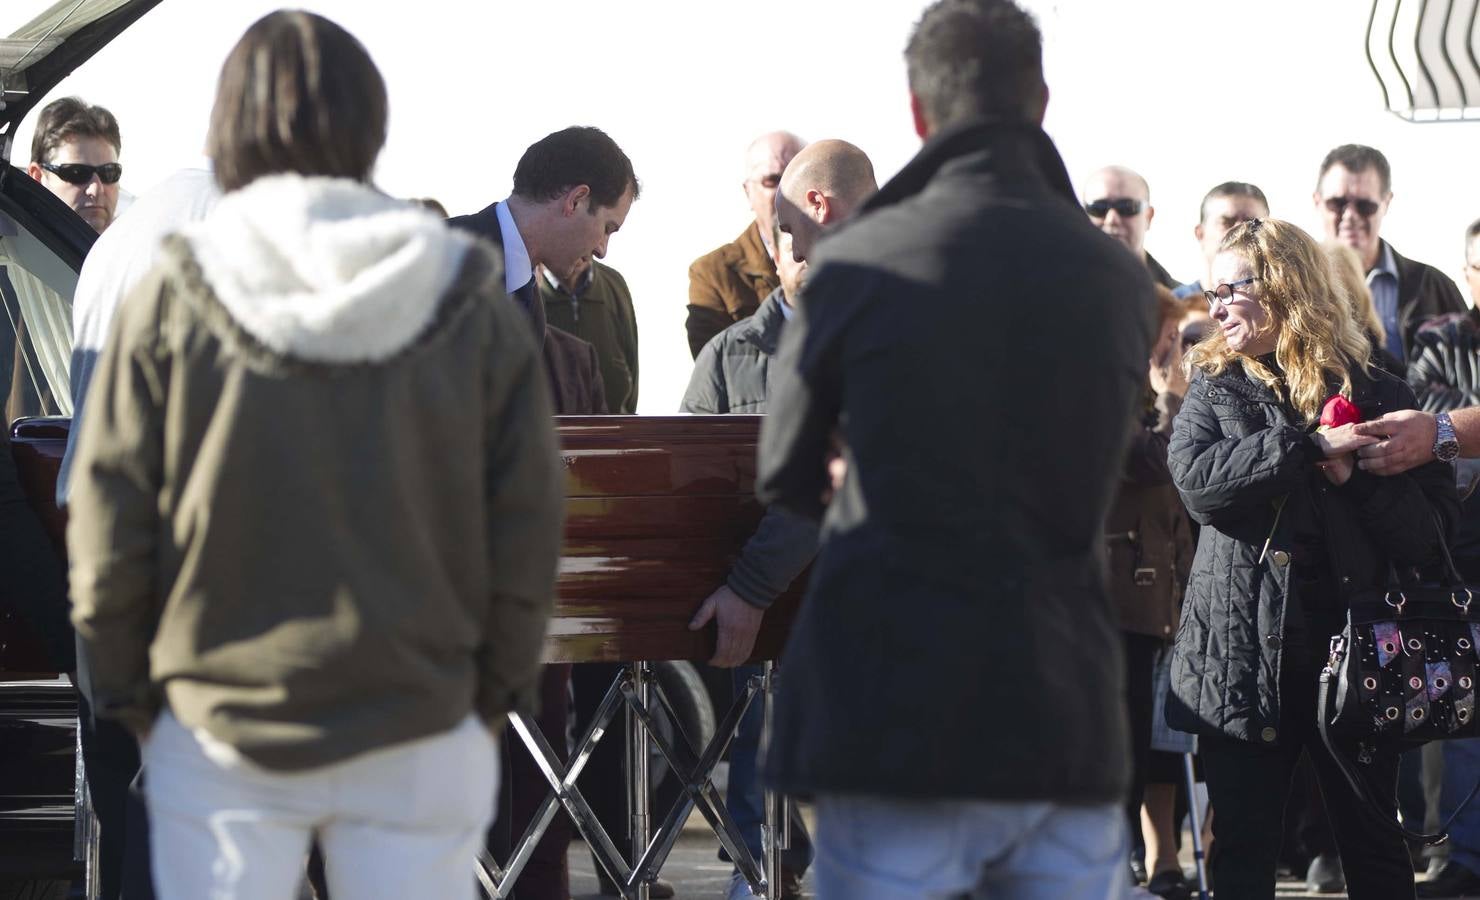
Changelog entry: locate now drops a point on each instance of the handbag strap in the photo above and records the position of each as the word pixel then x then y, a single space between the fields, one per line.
pixel 1354 778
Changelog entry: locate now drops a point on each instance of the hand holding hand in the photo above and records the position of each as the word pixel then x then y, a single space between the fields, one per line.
pixel 739 623
pixel 1400 441
pixel 1342 440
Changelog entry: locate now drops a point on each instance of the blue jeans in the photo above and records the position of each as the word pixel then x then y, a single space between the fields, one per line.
pixel 872 848
pixel 1461 771
pixel 744 796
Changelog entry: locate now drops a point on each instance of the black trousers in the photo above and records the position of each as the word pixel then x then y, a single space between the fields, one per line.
pixel 110 757
pixel 1140 662
pixel 1249 784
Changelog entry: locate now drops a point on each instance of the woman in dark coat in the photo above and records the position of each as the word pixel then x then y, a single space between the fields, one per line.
pixel 1290 527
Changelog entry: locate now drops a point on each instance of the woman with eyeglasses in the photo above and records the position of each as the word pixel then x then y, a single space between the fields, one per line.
pixel 1290 527
pixel 316 507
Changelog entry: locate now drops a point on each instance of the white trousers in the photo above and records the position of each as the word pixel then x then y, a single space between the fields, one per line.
pixel 402 822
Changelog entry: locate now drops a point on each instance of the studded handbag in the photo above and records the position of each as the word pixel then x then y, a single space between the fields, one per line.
pixel 1402 673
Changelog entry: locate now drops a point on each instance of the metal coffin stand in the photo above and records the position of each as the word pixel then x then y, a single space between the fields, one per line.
pixel 657 510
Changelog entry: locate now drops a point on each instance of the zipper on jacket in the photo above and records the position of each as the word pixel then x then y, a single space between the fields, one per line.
pixel 1279 510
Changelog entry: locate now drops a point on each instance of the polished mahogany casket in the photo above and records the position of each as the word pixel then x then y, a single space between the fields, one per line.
pixel 657 508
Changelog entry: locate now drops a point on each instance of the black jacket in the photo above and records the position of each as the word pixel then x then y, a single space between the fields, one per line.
pixel 1444 370
pixel 957 639
pixel 1423 293
pixel 1245 468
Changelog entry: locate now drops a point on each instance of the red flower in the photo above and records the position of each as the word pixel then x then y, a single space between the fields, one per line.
pixel 1339 411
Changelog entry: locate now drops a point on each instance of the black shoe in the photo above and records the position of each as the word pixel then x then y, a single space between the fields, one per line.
pixel 1454 880
pixel 658 890
pixel 1325 875
pixel 1138 872
pixel 791 884
pixel 1170 885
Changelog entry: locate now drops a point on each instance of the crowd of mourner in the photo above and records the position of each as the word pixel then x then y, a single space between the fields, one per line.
pixel 1021 659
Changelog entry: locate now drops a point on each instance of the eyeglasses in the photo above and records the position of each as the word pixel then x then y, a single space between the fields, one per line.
pixel 1125 207
pixel 1365 208
pixel 81 173
pixel 1223 293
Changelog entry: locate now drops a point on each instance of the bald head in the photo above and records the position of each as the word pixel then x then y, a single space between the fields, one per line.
pixel 1118 201
pixel 765 159
pixel 824 185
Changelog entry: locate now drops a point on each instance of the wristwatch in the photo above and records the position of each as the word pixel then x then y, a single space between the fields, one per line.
pixel 1446 445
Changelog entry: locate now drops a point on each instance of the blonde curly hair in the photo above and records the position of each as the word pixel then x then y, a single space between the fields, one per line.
pixel 1319 341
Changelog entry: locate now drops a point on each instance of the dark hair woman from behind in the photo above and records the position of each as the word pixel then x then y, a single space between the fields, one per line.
pixel 316 513
pixel 1290 528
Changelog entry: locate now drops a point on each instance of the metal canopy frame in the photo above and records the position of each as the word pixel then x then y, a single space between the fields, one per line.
pixel 641 696
pixel 1443 82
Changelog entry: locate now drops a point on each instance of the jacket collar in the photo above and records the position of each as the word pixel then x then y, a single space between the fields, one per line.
pixel 768 321
pixel 753 257
pixel 998 138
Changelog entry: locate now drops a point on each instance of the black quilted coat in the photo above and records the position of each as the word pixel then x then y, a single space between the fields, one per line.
pixel 1237 453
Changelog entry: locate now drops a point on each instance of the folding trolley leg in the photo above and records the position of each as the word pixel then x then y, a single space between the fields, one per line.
pixel 776 828
pixel 497 881
pixel 1196 814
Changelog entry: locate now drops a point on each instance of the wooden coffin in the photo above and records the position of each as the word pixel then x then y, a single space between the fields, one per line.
pixel 657 509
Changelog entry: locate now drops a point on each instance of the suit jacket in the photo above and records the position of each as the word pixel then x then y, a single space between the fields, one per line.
pixel 728 284
pixel 570 363
pixel 1423 293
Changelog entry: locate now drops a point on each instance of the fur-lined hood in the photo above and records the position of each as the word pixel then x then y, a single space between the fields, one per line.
pixel 326 270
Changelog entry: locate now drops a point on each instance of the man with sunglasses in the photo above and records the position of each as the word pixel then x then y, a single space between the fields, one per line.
pixel 74 154
pixel 730 282
pixel 1118 201
pixel 1352 197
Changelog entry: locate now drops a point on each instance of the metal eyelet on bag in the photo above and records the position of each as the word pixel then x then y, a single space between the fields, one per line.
pixel 1416 683
pixel 1418 714
pixel 1369 683
pixel 1388 599
pixel 1440 684
pixel 1465 682
pixel 1392 712
pixel 1389 647
pixel 1463 643
pixel 1463 714
pixel 1415 644
pixel 1465 606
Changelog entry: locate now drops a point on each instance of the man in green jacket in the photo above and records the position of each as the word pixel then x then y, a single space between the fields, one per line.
pixel 594 303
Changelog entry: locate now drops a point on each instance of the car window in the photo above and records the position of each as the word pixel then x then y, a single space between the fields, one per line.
pixel 35 326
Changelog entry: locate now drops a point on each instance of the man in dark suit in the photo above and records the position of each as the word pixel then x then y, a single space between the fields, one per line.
pixel 572 192
pixel 953 696
pixel 1352 197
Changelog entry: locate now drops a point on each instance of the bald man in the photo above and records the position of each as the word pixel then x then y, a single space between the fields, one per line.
pixel 730 282
pixel 1118 201
pixel 824 185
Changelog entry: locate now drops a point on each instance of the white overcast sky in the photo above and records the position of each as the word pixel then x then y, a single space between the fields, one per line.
pixel 1188 92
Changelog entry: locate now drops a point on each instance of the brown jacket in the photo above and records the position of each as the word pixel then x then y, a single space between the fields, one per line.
pixel 1148 534
pixel 728 284
pixel 316 503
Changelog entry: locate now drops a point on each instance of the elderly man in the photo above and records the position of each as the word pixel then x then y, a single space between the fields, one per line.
pixel 959 568
pixel 74 154
pixel 1352 196
pixel 1118 201
pixel 732 375
pixel 729 283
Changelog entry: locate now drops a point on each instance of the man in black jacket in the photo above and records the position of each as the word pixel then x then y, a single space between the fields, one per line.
pixel 1352 197
pixel 953 696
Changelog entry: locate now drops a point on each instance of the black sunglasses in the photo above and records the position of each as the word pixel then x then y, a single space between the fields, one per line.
pixel 1365 208
pixel 1124 206
pixel 81 173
